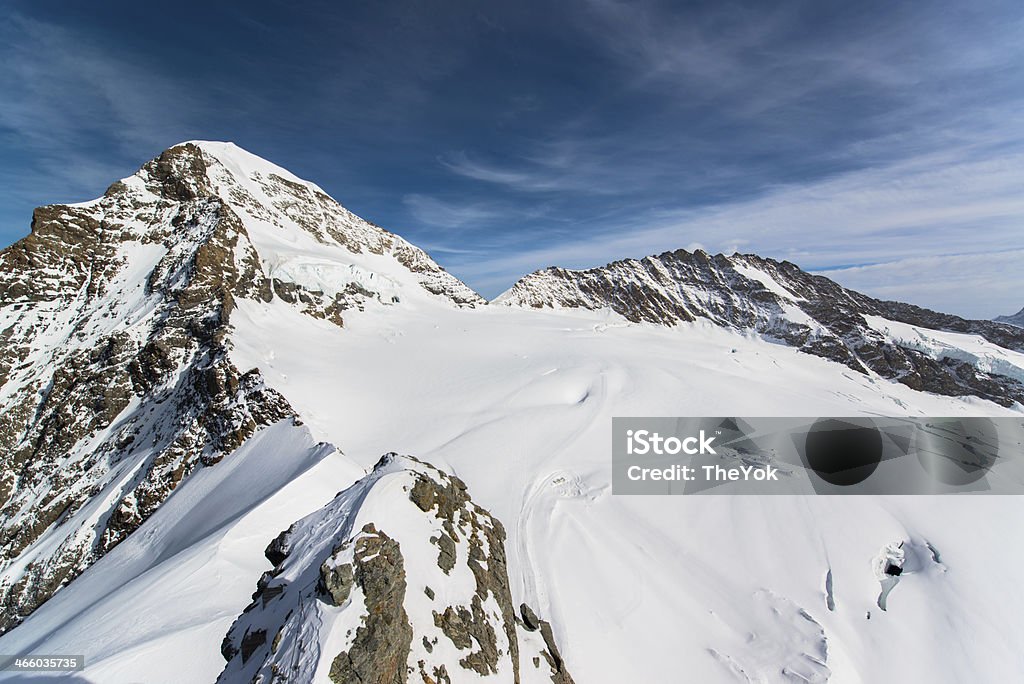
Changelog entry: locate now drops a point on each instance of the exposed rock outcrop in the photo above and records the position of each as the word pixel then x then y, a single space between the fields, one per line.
pixel 366 576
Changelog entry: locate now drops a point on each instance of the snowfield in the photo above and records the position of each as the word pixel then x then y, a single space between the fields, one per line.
pixel 518 403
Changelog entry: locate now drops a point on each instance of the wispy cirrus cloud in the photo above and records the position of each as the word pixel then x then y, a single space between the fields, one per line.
pixel 542 171
pixel 60 87
pixel 446 215
pixel 462 165
pixel 73 113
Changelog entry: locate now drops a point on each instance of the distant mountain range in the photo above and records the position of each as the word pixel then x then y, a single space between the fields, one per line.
pixel 1016 319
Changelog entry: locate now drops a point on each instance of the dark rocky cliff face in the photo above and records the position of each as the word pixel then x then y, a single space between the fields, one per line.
pixel 783 303
pixel 115 376
pixel 114 390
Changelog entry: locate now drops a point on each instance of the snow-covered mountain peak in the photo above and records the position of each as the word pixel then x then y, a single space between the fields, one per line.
pixel 115 332
pixel 242 163
pixel 302 238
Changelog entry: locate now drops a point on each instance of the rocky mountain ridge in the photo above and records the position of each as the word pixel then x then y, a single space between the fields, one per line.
pixel 781 302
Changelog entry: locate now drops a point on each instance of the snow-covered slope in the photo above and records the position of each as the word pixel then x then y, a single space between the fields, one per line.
pixel 781 302
pixel 155 608
pixel 516 402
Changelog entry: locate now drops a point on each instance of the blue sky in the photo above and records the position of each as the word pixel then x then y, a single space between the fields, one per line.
pixel 882 143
